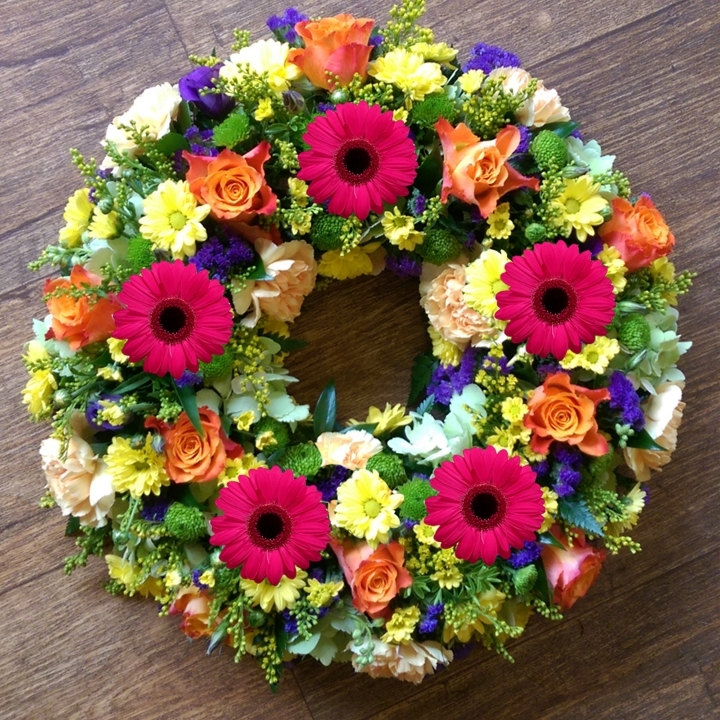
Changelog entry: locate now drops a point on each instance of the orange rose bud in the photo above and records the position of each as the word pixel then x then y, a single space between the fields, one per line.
pixel 194 606
pixel 565 412
pixel 80 321
pixel 639 233
pixel 477 172
pixel 232 185
pixel 338 45
pixel 189 457
pixel 571 572
pixel 375 578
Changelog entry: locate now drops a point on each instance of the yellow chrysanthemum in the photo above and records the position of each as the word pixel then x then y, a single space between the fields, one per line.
pixel 124 572
pixel 208 578
pixel 264 56
pixel 300 222
pixel 105 226
pixel 366 507
pixel 550 499
pixel 400 114
pixel 610 257
pixel 581 205
pixel 446 352
pixel 483 283
pixel 471 81
pixel 437 52
pixel 38 393
pixel 396 226
pixel 264 110
pixel 471 617
pixel 322 594
pixel 36 352
pixel 594 356
pixel 298 190
pixel 400 626
pixel 392 417
pixel 446 574
pixel 115 347
pixel 172 579
pixel 352 264
pixel 662 269
pixel 172 219
pixel 76 215
pixel 111 412
pixel 409 72
pixel 499 223
pixel 425 534
pixel 513 409
pixel 107 372
pixel 237 467
pixel 281 596
pixel 635 502
pixel 139 471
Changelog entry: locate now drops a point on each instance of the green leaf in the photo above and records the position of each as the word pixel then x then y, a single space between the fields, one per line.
pixel 644 441
pixel 429 173
pixel 259 273
pixel 184 119
pixel 421 373
pixel 562 129
pixel 368 427
pixel 426 405
pixel 550 539
pixel 172 142
pixel 325 410
pixel 575 512
pixel 132 383
pixel 287 344
pixel 274 459
pixel 219 635
pixel 188 400
pixel 73 525
pixel 231 131
pixel 542 586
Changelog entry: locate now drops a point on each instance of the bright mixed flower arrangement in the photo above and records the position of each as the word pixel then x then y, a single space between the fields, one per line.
pixel 326 153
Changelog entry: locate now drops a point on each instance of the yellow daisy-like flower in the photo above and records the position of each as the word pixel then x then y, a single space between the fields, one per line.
pixel 409 72
pixel 400 114
pixel 581 205
pixel 298 190
pixel 208 578
pixel 471 81
pixel 264 56
pixel 550 499
pixel 352 264
pixel 237 467
pixel 499 223
pixel 635 500
pixel 105 226
pixel 594 356
pixel 173 219
pixel 400 626
pixel 396 226
pixel 475 614
pixel 115 347
pixel 437 52
pixel 366 507
pixel 392 417
pixel 322 594
pixel 662 269
pixel 126 573
pixel 281 596
pixel 610 257
pixel 446 352
pixel 425 534
pixel 483 283
pixel 139 471
pixel 107 372
pixel 300 222
pixel 513 409
pixel 38 393
pixel 111 412
pixel 264 110
pixel 76 215
pixel 172 578
pixel 36 352
pixel 446 574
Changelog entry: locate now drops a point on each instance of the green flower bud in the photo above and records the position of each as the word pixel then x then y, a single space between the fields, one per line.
pixel 415 493
pixel 218 367
pixel 185 523
pixel 439 247
pixel 140 254
pixel 634 333
pixel 389 467
pixel 535 232
pixel 304 460
pixel 338 96
pixel 326 232
pixel 549 150
pixel 429 111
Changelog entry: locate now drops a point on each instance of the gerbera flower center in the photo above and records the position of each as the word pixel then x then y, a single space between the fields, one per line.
pixel 357 161
pixel 554 301
pixel 484 507
pixel 269 526
pixel 172 320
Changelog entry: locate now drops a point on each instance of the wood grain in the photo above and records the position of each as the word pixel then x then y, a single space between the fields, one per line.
pixel 643 644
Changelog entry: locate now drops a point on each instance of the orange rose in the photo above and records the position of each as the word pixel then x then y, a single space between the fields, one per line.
pixel 232 185
pixel 194 606
pixel 566 413
pixel 478 172
pixel 572 571
pixel 84 320
pixel 338 45
pixel 639 233
pixel 189 457
pixel 375 578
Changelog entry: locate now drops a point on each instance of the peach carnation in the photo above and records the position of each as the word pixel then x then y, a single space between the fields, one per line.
pixel 410 661
pixel 80 483
pixel 351 449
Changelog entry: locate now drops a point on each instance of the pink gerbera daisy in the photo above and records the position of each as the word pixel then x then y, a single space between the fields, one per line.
pixel 359 158
pixel 273 523
pixel 487 503
pixel 558 298
pixel 174 316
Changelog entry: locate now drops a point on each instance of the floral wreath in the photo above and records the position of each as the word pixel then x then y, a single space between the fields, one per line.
pixel 549 396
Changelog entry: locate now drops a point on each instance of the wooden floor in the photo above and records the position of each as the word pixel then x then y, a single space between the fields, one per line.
pixel 642 78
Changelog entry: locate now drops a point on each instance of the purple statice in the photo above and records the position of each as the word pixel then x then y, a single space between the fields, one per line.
pixel 416 203
pixel 201 79
pixel 291 626
pixel 550 367
pixel 566 469
pixel 221 259
pixel 189 378
pixel 542 468
pixel 429 621
pixel 488 57
pixel 328 486
pixel 200 141
pixel 409 524
pixel 476 215
pixel 594 245
pixel 196 580
pixel 403 265
pixel 325 107
pixel 95 407
pixel 577 134
pixel 316 573
pixel 447 380
pixel 283 26
pixel 495 365
pixel 470 241
pixel 154 510
pixel 529 554
pixel 525 138
pixel 625 400
pixel 568 455
pixel 376 40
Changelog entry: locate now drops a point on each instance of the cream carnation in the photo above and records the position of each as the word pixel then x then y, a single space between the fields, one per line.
pixel 410 662
pixel 663 415
pixel 154 109
pixel 351 449
pixel 79 484
pixel 542 108
pixel 292 270
pixel 444 302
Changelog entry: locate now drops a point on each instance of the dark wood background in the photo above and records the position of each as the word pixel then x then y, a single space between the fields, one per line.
pixel 642 79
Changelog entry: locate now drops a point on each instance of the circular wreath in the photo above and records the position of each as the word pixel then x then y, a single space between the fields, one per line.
pixel 549 396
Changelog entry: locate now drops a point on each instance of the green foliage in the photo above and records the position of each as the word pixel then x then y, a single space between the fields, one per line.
pixel 218 367
pixel 492 108
pixel 90 542
pixel 232 131
pixel 576 513
pixel 325 410
pixel 440 246
pixel 304 460
pixel 427 112
pixel 185 523
pixel 415 493
pixel 421 374
pixel 389 467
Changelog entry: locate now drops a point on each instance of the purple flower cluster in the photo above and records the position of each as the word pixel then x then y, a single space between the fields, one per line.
pixel 525 139
pixel 203 78
pixel 626 401
pixel 403 265
pixel 200 141
pixel 429 621
pixel 328 486
pixel 223 259
pixel 527 556
pixel 189 378
pixel 416 204
pixel 494 364
pixel 283 26
pixel 488 57
pixel 291 627
pixel 549 367
pixel 447 379
pixel 154 510
pixel 566 469
pixel 196 580
pixel 95 407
